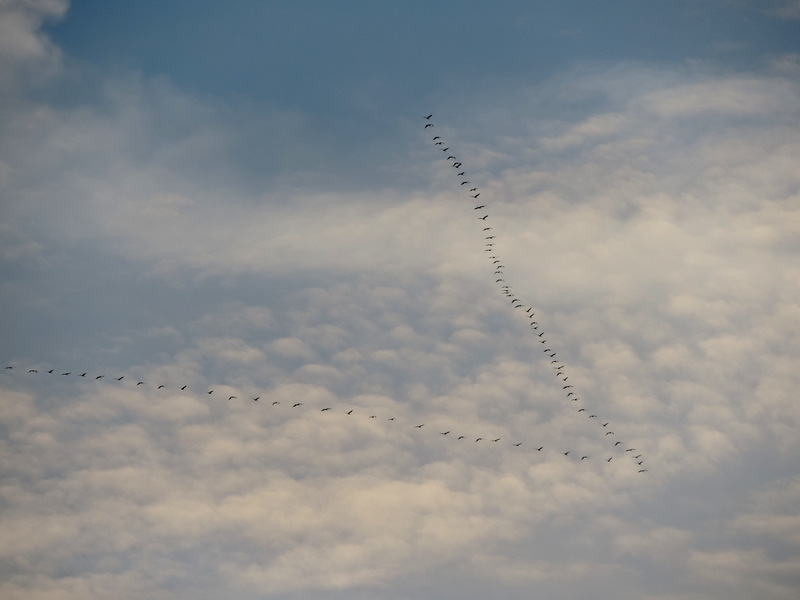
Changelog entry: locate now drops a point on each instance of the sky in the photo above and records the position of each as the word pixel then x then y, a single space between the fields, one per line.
pixel 256 335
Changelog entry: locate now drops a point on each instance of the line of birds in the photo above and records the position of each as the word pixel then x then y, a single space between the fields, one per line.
pixel 139 384
pixel 498 267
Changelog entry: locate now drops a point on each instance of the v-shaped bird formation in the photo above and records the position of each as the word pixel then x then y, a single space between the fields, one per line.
pixel 615 447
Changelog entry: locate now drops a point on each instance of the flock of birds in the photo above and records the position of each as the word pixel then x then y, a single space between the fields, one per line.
pixel 617 448
pixel 559 369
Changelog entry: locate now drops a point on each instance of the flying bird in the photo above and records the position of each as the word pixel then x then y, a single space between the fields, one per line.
pixel 428 125
pixel 429 116
pixel 420 426
pixel 296 404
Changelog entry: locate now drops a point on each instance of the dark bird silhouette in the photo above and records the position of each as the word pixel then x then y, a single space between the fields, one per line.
pixel 517 444
pixel 276 402
pixel 32 371
pixel 567 386
pixel 98 377
pixel 483 218
pixel 464 183
pixel 476 195
pixel 478 208
pixel 256 399
pixel 605 424
pixel 642 470
pixel 584 457
pixel 428 125
pixel 429 116
pixel 296 404
pixel 444 432
pixel 436 137
pixel 497 440
pixel 581 409
pixel 610 433
pixel 609 458
pixel 566 453
pixel 461 437
pixel 208 392
pixel 120 378
pixel 326 408
pixel 373 416
pixel 539 449
pixel 83 374
pixel 350 412
pixel 67 373
pixel 140 383
pixel 592 416
pixel 420 426
pixel 231 398
pixel 479 439
pixel 630 449
pixel 617 444
pixel 637 456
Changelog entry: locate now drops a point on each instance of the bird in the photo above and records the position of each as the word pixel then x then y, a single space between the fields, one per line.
pixel 296 404
pixel 390 419
pixel 539 449
pixel 517 444
pixel 567 386
pixel 637 456
pixel 256 398
pixel 32 371
pixel 476 195
pixel 373 416
pixel 67 373
pixel 117 378
pixel 208 392
pixel 350 412
pixel 420 426
pixel 584 457
pixel 566 453
pixel 140 383
pixel 231 398
pixel 276 402
pixel 461 437
pixel 581 409
pixel 610 433
pixel 183 387
pixel 609 458
pixel 617 444
pixel 436 138
pixel 630 449
pixel 326 408
pixel 464 182
pixel 483 218
pixel 83 374
pixel 428 125
pixel 497 440
pixel 444 432
pixel 592 416
pixel 479 207
pixel 479 439
pixel 605 424
pixel 98 377
pixel 642 470
pixel 428 117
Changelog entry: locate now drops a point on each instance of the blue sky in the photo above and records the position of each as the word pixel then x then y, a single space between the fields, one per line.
pixel 240 198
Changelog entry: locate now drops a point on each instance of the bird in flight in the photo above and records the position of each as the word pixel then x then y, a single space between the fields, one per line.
pixel 428 117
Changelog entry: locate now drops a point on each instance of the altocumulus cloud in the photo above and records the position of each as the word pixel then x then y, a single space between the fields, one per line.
pixel 656 239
